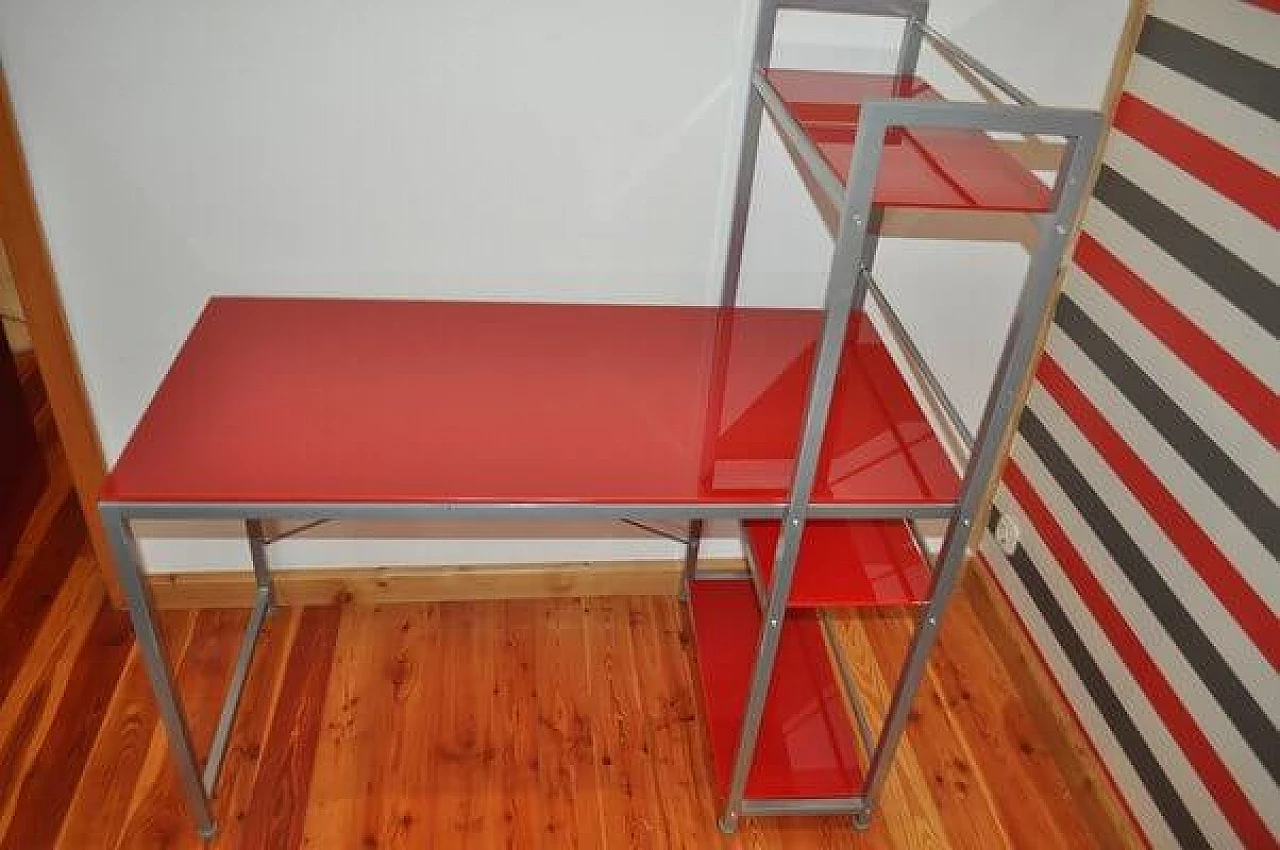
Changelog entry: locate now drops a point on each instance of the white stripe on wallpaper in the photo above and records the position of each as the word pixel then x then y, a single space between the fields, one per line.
pixel 1218 117
pixel 1258 459
pixel 1231 535
pixel 1247 341
pixel 1241 26
pixel 1227 223
pixel 1095 724
pixel 1163 647
pixel 1164 747
pixel 1238 650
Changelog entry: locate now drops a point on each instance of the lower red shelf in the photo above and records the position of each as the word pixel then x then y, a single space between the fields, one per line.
pixel 846 562
pixel 807 746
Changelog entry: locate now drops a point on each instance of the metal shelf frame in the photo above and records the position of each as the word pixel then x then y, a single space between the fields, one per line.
pixel 850 280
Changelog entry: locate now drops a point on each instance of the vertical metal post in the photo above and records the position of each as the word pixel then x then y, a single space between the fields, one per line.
pixel 1015 361
pixel 141 611
pixel 258 554
pixel 691 557
pixel 760 53
pixel 843 283
pixel 909 52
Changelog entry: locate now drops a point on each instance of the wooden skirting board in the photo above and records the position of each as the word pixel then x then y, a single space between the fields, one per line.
pixel 389 585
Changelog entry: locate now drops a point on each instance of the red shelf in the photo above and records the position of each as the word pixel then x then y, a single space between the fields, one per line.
pixel 807 746
pixel 333 400
pixel 922 167
pixel 846 563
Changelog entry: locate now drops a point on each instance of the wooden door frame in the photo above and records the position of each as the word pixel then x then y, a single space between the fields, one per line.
pixel 23 242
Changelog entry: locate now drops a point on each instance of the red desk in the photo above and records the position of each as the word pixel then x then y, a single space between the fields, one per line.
pixel 310 401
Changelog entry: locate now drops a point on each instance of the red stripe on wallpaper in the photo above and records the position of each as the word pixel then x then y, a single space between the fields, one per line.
pixel 1199 751
pixel 1229 378
pixel 1214 568
pixel 1248 184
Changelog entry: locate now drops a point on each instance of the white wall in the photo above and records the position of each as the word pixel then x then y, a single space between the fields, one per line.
pixel 552 150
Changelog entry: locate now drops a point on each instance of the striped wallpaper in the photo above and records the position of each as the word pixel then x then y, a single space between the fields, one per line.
pixel 1145 473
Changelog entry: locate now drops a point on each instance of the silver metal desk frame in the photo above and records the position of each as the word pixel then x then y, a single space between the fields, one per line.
pixel 849 282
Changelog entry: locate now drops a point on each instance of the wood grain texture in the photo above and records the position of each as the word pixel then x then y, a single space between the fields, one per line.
pixel 280 790
pixel 398 585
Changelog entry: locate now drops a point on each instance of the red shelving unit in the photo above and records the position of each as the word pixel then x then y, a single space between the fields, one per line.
pixel 922 167
pixel 292 409
pixel 845 563
pixel 807 746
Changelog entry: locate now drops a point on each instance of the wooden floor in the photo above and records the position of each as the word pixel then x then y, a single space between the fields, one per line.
pixel 547 723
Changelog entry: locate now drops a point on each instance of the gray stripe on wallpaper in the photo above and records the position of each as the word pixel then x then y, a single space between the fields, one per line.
pixel 1245 499
pixel 1235 75
pixel 1232 696
pixel 1238 282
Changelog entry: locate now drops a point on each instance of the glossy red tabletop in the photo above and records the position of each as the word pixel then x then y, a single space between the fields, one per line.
pixel 921 167
pixel 329 400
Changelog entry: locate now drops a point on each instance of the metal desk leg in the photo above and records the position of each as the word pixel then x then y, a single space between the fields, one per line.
pixel 258 552
pixel 142 613
pixel 691 558
pixel 264 601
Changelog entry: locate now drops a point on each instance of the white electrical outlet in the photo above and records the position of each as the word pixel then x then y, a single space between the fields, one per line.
pixel 1007 535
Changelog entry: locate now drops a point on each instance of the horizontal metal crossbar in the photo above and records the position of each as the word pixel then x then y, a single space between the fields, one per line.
pixel 804 806
pixel 964 57
pixel 877 8
pixel 538 510
pixel 795 136
pixel 988 117
pixel 656 532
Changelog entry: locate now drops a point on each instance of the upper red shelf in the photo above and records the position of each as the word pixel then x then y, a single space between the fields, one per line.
pixel 922 167
pixel 331 400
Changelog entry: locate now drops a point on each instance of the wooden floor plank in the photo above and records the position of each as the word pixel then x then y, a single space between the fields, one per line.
pixel 31 703
pixel 103 796
pixel 906 815
pixel 677 746
pixel 397 813
pixel 234 799
pixel 51 777
pixel 283 782
pixel 1059 737
pixel 34 586
pixel 981 694
pixel 629 792
pixel 158 816
pixel 946 760
pixel 565 750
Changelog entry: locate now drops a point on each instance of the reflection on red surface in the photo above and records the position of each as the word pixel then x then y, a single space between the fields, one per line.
pixel 922 167
pixel 846 563
pixel 806 746
pixel 338 400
